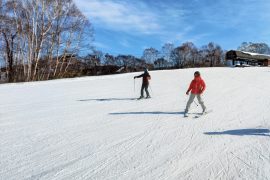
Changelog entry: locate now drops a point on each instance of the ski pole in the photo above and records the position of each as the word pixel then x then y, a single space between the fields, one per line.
pixel 196 103
pixel 134 86
pixel 151 89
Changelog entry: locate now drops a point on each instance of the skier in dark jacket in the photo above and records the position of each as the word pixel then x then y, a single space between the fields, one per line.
pixel 145 83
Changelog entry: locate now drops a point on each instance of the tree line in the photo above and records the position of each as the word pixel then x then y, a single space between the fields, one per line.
pixel 183 56
pixel 168 57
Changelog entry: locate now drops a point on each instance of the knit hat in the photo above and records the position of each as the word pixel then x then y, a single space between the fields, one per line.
pixel 145 70
pixel 197 73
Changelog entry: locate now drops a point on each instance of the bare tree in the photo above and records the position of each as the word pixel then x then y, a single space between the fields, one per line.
pixel 261 48
pixel 214 54
pixel 8 32
pixel 150 55
pixel 40 35
pixel 109 59
pixel 182 55
pixel 166 51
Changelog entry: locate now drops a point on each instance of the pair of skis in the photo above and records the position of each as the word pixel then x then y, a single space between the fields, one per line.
pixel 140 98
pixel 199 114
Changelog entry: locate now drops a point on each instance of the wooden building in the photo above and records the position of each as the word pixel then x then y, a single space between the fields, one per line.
pixel 242 58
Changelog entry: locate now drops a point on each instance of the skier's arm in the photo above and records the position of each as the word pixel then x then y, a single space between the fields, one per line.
pixel 139 76
pixel 189 89
pixel 203 86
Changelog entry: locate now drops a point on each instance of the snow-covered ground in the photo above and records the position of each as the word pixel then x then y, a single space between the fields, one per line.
pixel 93 128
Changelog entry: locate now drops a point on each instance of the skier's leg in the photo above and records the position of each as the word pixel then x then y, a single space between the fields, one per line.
pixel 201 102
pixel 190 100
pixel 142 88
pixel 146 90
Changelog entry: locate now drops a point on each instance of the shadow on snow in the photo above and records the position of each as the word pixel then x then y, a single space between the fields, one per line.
pixel 151 113
pixel 242 132
pixel 109 99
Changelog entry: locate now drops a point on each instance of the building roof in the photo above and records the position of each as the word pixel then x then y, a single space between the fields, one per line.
pixel 233 54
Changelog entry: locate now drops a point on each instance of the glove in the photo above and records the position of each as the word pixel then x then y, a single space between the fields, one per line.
pixel 134 77
pixel 187 93
pixel 201 91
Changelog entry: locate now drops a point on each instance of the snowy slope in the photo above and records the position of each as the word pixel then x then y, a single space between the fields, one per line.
pixel 92 128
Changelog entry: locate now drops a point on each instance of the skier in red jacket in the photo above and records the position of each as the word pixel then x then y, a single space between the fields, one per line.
pixel 197 87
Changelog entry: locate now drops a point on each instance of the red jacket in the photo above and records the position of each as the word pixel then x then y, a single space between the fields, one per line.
pixel 197 85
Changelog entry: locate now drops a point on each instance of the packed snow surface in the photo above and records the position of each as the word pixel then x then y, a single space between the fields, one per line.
pixel 94 128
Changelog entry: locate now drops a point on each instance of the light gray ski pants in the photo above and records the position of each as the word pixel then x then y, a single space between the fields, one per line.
pixel 191 99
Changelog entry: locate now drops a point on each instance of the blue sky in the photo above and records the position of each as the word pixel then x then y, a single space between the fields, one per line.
pixel 130 26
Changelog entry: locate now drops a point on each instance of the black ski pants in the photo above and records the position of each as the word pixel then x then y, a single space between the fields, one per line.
pixel 145 87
